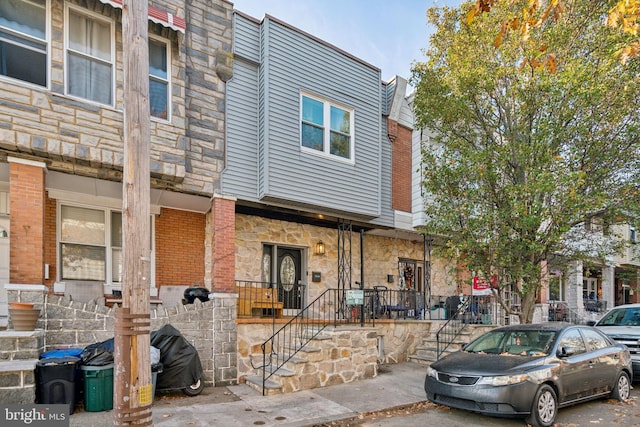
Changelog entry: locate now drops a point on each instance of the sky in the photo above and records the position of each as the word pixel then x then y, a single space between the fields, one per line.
pixel 387 34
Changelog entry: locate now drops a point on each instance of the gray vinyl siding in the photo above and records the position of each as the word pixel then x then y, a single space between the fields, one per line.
pixel 273 64
pixel 387 96
pixel 246 38
pixel 298 63
pixel 386 217
pixel 240 176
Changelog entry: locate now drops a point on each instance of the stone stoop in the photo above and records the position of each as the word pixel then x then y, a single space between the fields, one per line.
pixel 332 357
pixel 287 378
pixel 19 353
pixel 426 353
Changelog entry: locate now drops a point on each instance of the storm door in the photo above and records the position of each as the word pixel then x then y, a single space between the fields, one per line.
pixel 289 275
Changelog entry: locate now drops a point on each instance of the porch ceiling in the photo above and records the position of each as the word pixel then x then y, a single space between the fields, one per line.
pixel 80 188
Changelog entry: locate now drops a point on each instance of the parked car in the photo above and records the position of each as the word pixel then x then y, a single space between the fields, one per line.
pixel 531 371
pixel 622 323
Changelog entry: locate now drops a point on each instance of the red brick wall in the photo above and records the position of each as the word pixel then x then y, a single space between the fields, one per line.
pixel 50 240
pixel 27 202
pixel 223 248
pixel 401 168
pixel 180 248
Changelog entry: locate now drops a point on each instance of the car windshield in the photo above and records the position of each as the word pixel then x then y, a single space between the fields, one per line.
pixel 514 342
pixel 621 317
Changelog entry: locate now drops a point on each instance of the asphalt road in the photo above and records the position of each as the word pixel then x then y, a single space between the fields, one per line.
pixel 603 413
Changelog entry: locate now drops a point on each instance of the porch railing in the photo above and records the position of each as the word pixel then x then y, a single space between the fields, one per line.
pixel 452 328
pixel 297 332
pixel 559 311
pixel 335 307
pixel 257 299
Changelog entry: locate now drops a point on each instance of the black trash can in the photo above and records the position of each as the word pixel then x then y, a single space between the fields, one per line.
pixel 57 381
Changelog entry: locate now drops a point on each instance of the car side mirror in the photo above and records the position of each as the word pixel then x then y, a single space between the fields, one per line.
pixel 591 323
pixel 565 352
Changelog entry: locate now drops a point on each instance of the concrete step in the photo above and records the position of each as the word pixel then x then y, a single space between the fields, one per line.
pixel 423 360
pixel 271 387
pixel 18 381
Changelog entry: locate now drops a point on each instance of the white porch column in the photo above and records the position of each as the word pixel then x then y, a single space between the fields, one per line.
pixel 608 285
pixel 574 286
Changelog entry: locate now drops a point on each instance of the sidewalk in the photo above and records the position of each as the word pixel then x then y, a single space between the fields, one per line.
pixel 396 385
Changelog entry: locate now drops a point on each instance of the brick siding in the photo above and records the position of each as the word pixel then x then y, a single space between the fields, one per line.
pixel 50 249
pixel 223 246
pixel 27 223
pixel 401 168
pixel 180 248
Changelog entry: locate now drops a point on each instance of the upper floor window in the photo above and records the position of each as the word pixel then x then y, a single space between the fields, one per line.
pixel 90 57
pixel 23 40
pixel 326 127
pixel 632 234
pixel 158 79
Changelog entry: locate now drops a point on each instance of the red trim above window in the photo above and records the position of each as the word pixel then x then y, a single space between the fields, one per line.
pixel 156 15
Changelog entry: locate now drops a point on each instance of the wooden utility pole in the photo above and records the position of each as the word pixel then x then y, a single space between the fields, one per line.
pixel 132 373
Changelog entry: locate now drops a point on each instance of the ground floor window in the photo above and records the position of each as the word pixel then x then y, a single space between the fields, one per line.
pixel 90 244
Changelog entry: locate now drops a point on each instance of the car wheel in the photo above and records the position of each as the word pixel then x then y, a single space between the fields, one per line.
pixel 544 408
pixel 194 389
pixel 622 388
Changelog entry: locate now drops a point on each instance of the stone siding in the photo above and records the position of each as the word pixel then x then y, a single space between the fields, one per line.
pixel 85 138
pixel 381 254
pixel 209 326
pixel 348 354
pixel 399 339
pixel 340 355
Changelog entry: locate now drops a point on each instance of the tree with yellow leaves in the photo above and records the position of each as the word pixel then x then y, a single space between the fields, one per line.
pixel 530 140
pixel 526 16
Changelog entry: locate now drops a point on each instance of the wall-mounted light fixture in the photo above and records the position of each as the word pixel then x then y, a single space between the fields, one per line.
pixel 319 249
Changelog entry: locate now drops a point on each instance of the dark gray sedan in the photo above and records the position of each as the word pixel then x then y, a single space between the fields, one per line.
pixel 531 371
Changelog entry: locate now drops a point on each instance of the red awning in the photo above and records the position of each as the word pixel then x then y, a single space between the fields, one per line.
pixel 157 15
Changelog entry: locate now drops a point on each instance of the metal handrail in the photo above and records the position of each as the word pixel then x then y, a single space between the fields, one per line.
pixel 451 329
pixel 296 333
pixel 332 308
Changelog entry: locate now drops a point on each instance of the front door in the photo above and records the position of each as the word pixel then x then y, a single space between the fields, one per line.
pixel 289 276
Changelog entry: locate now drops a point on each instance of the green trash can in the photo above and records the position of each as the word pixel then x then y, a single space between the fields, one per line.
pixel 98 387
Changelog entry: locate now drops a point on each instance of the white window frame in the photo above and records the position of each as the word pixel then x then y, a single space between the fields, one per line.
pixel 46 41
pixel 327 104
pixel 67 49
pixel 167 44
pixel 109 284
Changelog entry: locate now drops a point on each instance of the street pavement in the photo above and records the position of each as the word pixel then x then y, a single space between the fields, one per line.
pixel 373 402
pixel 395 386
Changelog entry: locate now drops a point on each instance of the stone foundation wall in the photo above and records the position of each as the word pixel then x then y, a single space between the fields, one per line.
pixel 399 339
pixel 346 355
pixel 209 326
pixel 387 342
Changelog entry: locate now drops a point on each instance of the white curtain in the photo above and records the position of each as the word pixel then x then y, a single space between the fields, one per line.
pixel 89 59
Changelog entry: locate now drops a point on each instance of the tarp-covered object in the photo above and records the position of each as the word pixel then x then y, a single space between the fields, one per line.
pixel 98 354
pixel 181 365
